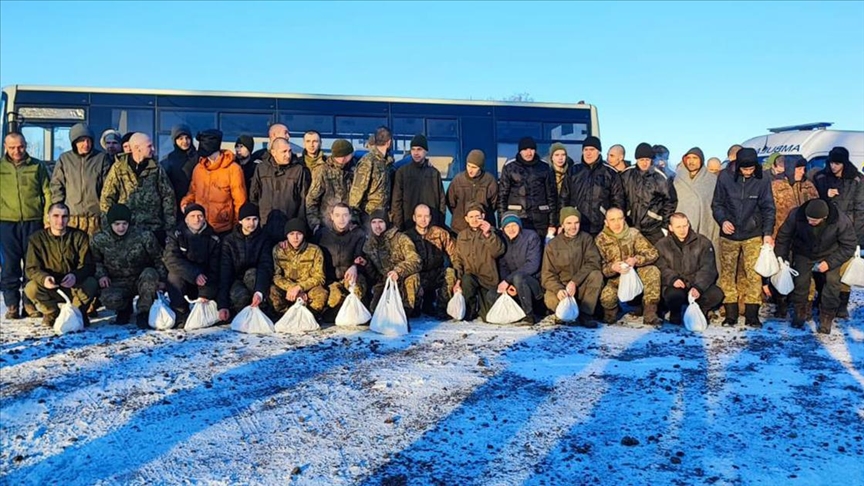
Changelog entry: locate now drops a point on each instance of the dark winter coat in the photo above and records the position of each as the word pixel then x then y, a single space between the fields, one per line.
pixel 850 197
pixel 476 255
pixel 651 198
pixel 340 250
pixel 57 256
pixel 413 184
pixel 178 165
pixel 435 248
pixel 694 261
pixel 240 253
pixel 835 245
pixel 280 191
pixel 77 180
pixel 746 203
pixel 592 189
pixel 528 188
pixel 464 190
pixel 189 254
pixel 523 255
pixel 569 260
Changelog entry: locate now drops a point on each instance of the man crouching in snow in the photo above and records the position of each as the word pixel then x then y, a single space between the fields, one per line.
pixel 391 254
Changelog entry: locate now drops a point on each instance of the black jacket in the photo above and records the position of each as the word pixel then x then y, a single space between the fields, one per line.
pixel 179 165
pixel 693 261
pixel 280 193
pixel 414 184
pixel 651 198
pixel 746 203
pixel 188 254
pixel 836 243
pixel 528 188
pixel 523 255
pixel 240 253
pixel 850 194
pixel 592 189
pixel 340 250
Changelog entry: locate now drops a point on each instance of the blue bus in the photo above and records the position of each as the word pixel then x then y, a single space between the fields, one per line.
pixel 45 114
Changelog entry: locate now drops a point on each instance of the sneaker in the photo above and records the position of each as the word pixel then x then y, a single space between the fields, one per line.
pixel 12 313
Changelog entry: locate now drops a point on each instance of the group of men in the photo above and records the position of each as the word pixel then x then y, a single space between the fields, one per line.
pixel 270 227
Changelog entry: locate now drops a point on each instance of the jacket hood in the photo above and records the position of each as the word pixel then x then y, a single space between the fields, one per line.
pixel 80 130
pixel 849 171
pixel 757 174
pixel 225 159
pixel 623 234
pixel 698 153
pixel 178 130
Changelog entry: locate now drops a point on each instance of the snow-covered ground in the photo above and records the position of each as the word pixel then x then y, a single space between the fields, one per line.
pixel 450 404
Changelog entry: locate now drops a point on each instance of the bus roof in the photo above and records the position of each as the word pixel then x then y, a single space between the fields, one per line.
pixel 82 89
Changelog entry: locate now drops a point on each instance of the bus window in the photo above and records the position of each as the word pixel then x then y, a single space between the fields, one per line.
pixel 62 143
pixel 299 124
pixel 235 124
pixel 565 131
pixel 514 130
pixel 196 120
pixel 442 128
pixel 37 139
pixel 129 121
pixel 358 125
pixel 407 127
pixel 506 151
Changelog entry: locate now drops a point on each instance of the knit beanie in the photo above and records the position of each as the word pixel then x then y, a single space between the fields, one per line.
pixel 838 154
pixel 380 214
pixel 593 141
pixel 209 141
pixel 194 207
pixel 419 140
pixel 644 151
pixel 510 217
pixel 800 162
pixel 556 147
pixel 816 209
pixel 246 141
pixel 568 211
pixel 248 209
pixel 295 224
pixel 476 158
pixel 341 148
pixel 119 212
pixel 527 143
pixel 747 157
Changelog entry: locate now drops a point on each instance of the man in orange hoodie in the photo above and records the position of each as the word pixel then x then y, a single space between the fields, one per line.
pixel 217 183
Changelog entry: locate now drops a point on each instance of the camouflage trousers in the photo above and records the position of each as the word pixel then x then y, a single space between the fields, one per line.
pixel 409 289
pixel 48 300
pixel 317 299
pixel 749 283
pixel 240 293
pixel 338 291
pixel 87 224
pixel 650 276
pixel 437 286
pixel 119 294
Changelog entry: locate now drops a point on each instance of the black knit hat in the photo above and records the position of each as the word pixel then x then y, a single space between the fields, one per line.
pixel 209 141
pixel 746 157
pixel 248 209
pixel 816 209
pixel 838 154
pixel 419 140
pixel 527 143
pixel 380 214
pixel 644 151
pixel 194 207
pixel 119 212
pixel 593 141
pixel 476 158
pixel 296 224
pixel 341 148
pixel 246 141
pixel 126 138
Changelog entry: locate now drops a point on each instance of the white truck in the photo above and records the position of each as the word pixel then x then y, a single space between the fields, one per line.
pixel 812 141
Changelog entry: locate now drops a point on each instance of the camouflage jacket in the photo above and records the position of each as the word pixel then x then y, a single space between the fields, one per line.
pixel 391 251
pixel 330 184
pixel 125 257
pixel 303 266
pixel 148 194
pixel 372 179
pixel 436 248
pixel 788 197
pixel 614 248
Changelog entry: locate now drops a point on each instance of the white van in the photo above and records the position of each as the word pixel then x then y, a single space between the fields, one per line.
pixel 812 141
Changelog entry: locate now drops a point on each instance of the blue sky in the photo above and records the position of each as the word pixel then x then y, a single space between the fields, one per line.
pixel 677 73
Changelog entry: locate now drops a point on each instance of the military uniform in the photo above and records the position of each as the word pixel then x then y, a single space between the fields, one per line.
pixel 331 184
pixel 574 260
pixel 393 251
pixel 617 248
pixel 304 267
pixel 145 189
pixel 133 263
pixel 437 278
pixel 370 189
pixel 475 267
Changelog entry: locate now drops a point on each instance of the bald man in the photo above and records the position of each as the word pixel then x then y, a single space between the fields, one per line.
pixel 615 158
pixel 714 165
pixel 277 130
pixel 139 182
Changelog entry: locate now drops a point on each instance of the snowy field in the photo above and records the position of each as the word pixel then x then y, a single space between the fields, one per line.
pixel 450 404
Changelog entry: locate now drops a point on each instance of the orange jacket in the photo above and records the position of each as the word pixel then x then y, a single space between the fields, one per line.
pixel 219 186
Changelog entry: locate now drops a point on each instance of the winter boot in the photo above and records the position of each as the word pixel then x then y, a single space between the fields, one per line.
pixel 85 317
pixel 843 310
pixel 528 320
pixel 587 321
pixel 731 319
pixel 610 316
pixel 676 318
pixel 782 308
pixel 650 318
pixel 12 312
pixel 142 320
pixel 123 316
pixel 799 315
pixel 751 316
pixel 826 319
pixel 48 319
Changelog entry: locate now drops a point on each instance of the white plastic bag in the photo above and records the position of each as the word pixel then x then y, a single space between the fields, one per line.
pixel 567 310
pixel 456 306
pixel 505 310
pixel 297 319
pixel 204 314
pixel 251 320
pixel 161 316
pixel 766 264
pixel 854 274
pixel 694 319
pixel 629 285
pixel 389 317
pixel 353 312
pixel 782 280
pixel 70 318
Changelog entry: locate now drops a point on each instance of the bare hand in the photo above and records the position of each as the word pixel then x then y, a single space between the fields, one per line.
pixel 350 277
pixel 293 292
pixel 833 192
pixel 695 293
pixel 360 261
pixel 823 267
pixel 49 283
pixel 283 245
pixel 768 240
pixel 621 268
pixel 104 282
pixel 68 281
pixel 571 288
pixel 502 287
pixel 631 261
pixel 201 280
pixel 562 294
pixel 257 298
pixel 679 284
pixel 224 315
pixel 728 227
pixel 457 287
pixel 392 275
pixel 161 286
pixel 485 227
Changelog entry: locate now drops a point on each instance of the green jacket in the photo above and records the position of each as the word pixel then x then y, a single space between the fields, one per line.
pixel 25 190
pixel 56 256
pixel 149 195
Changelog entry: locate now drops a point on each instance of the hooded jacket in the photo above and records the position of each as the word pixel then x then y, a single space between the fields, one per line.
pixel 567 260
pixel 331 184
pixel 179 165
pixel 219 187
pixel 694 199
pixel 592 189
pixel 528 188
pixel 850 194
pixel 240 253
pixel 191 254
pixel 835 245
pixel 476 255
pixel 651 198
pixel 522 255
pixel 789 194
pixel 340 250
pixel 280 191
pixel 693 261
pixel 417 183
pixel 78 179
pixel 145 190
pixel 746 203
pixel 391 250
pixel 26 192
pixel 464 190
